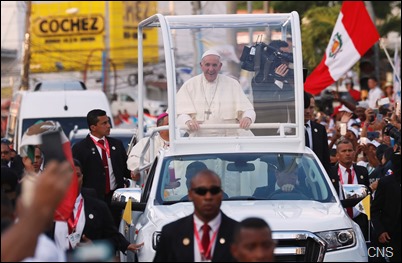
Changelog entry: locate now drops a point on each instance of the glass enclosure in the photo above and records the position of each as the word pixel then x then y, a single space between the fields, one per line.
pixel 260 73
pixel 260 60
pixel 254 176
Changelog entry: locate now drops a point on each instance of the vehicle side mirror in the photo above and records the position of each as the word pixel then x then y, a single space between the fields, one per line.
pixel 121 196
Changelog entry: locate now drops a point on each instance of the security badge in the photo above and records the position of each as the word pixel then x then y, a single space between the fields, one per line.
pixel 74 238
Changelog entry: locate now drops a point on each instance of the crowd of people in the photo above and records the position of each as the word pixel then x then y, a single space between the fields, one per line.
pixel 366 152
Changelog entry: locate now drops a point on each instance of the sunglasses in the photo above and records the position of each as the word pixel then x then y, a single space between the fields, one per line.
pixel 214 190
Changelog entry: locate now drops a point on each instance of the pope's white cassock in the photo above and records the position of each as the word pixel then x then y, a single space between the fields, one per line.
pixel 221 101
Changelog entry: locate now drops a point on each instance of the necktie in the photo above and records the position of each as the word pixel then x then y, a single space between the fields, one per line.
pixel 350 181
pixel 105 166
pixel 205 240
pixel 70 227
pixel 306 137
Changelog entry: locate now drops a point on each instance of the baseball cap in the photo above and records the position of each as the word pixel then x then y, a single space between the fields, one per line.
pixel 5 141
pixel 355 131
pixel 373 142
pixel 362 104
pixel 344 108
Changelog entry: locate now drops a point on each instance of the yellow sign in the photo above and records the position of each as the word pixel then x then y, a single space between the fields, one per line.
pixel 62 40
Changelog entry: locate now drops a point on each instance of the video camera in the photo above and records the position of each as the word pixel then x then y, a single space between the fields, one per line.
pixel 263 57
pixel 393 132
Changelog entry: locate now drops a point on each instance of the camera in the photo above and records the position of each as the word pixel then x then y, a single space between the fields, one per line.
pixel 393 132
pixel 261 53
pixel 282 56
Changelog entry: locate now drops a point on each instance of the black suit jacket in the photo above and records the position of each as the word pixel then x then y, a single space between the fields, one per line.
pixel 17 166
pixel 386 206
pixel 99 224
pixel 172 248
pixel 92 167
pixel 320 144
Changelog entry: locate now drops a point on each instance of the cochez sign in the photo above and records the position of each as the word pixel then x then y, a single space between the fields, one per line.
pixel 68 25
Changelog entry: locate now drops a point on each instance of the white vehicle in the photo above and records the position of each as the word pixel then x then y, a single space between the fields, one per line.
pixel 309 225
pixel 127 100
pixel 69 108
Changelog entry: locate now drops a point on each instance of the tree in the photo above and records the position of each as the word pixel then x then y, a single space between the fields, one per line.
pixel 317 26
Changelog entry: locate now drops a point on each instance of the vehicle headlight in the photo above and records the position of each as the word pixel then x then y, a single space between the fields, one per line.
pixel 338 239
pixel 155 239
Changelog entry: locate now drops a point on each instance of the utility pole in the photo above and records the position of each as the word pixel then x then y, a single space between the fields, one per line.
pixel 233 67
pixel 26 58
pixel 106 53
pixel 198 47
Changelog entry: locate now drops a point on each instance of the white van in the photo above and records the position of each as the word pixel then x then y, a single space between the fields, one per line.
pixel 69 108
pixel 155 101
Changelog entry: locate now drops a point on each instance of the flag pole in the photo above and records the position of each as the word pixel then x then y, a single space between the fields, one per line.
pixel 389 60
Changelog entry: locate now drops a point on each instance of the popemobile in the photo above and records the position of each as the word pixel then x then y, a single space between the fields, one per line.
pixel 246 124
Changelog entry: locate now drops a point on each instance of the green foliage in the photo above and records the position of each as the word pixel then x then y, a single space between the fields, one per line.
pixel 300 6
pixel 256 5
pixel 383 8
pixel 391 24
pixel 317 26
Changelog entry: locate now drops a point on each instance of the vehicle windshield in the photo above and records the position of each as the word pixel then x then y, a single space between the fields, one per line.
pixel 254 176
pixel 60 85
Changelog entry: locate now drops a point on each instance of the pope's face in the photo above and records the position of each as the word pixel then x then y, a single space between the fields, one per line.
pixel 211 66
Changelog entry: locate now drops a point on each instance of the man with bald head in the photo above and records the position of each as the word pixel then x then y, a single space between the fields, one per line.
pixel 206 234
pixel 211 98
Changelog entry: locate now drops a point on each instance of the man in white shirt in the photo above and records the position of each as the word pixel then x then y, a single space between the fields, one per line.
pixel 161 140
pixel 375 93
pixel 211 98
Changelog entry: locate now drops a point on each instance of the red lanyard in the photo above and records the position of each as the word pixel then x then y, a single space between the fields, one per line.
pixel 69 221
pixel 197 237
pixel 107 149
pixel 341 177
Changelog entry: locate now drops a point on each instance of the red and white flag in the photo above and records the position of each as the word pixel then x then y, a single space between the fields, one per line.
pixel 353 35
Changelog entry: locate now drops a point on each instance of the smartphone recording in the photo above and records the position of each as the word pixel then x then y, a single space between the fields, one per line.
pixel 52 147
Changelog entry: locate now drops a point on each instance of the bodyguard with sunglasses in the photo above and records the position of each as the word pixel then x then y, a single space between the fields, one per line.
pixel 184 239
